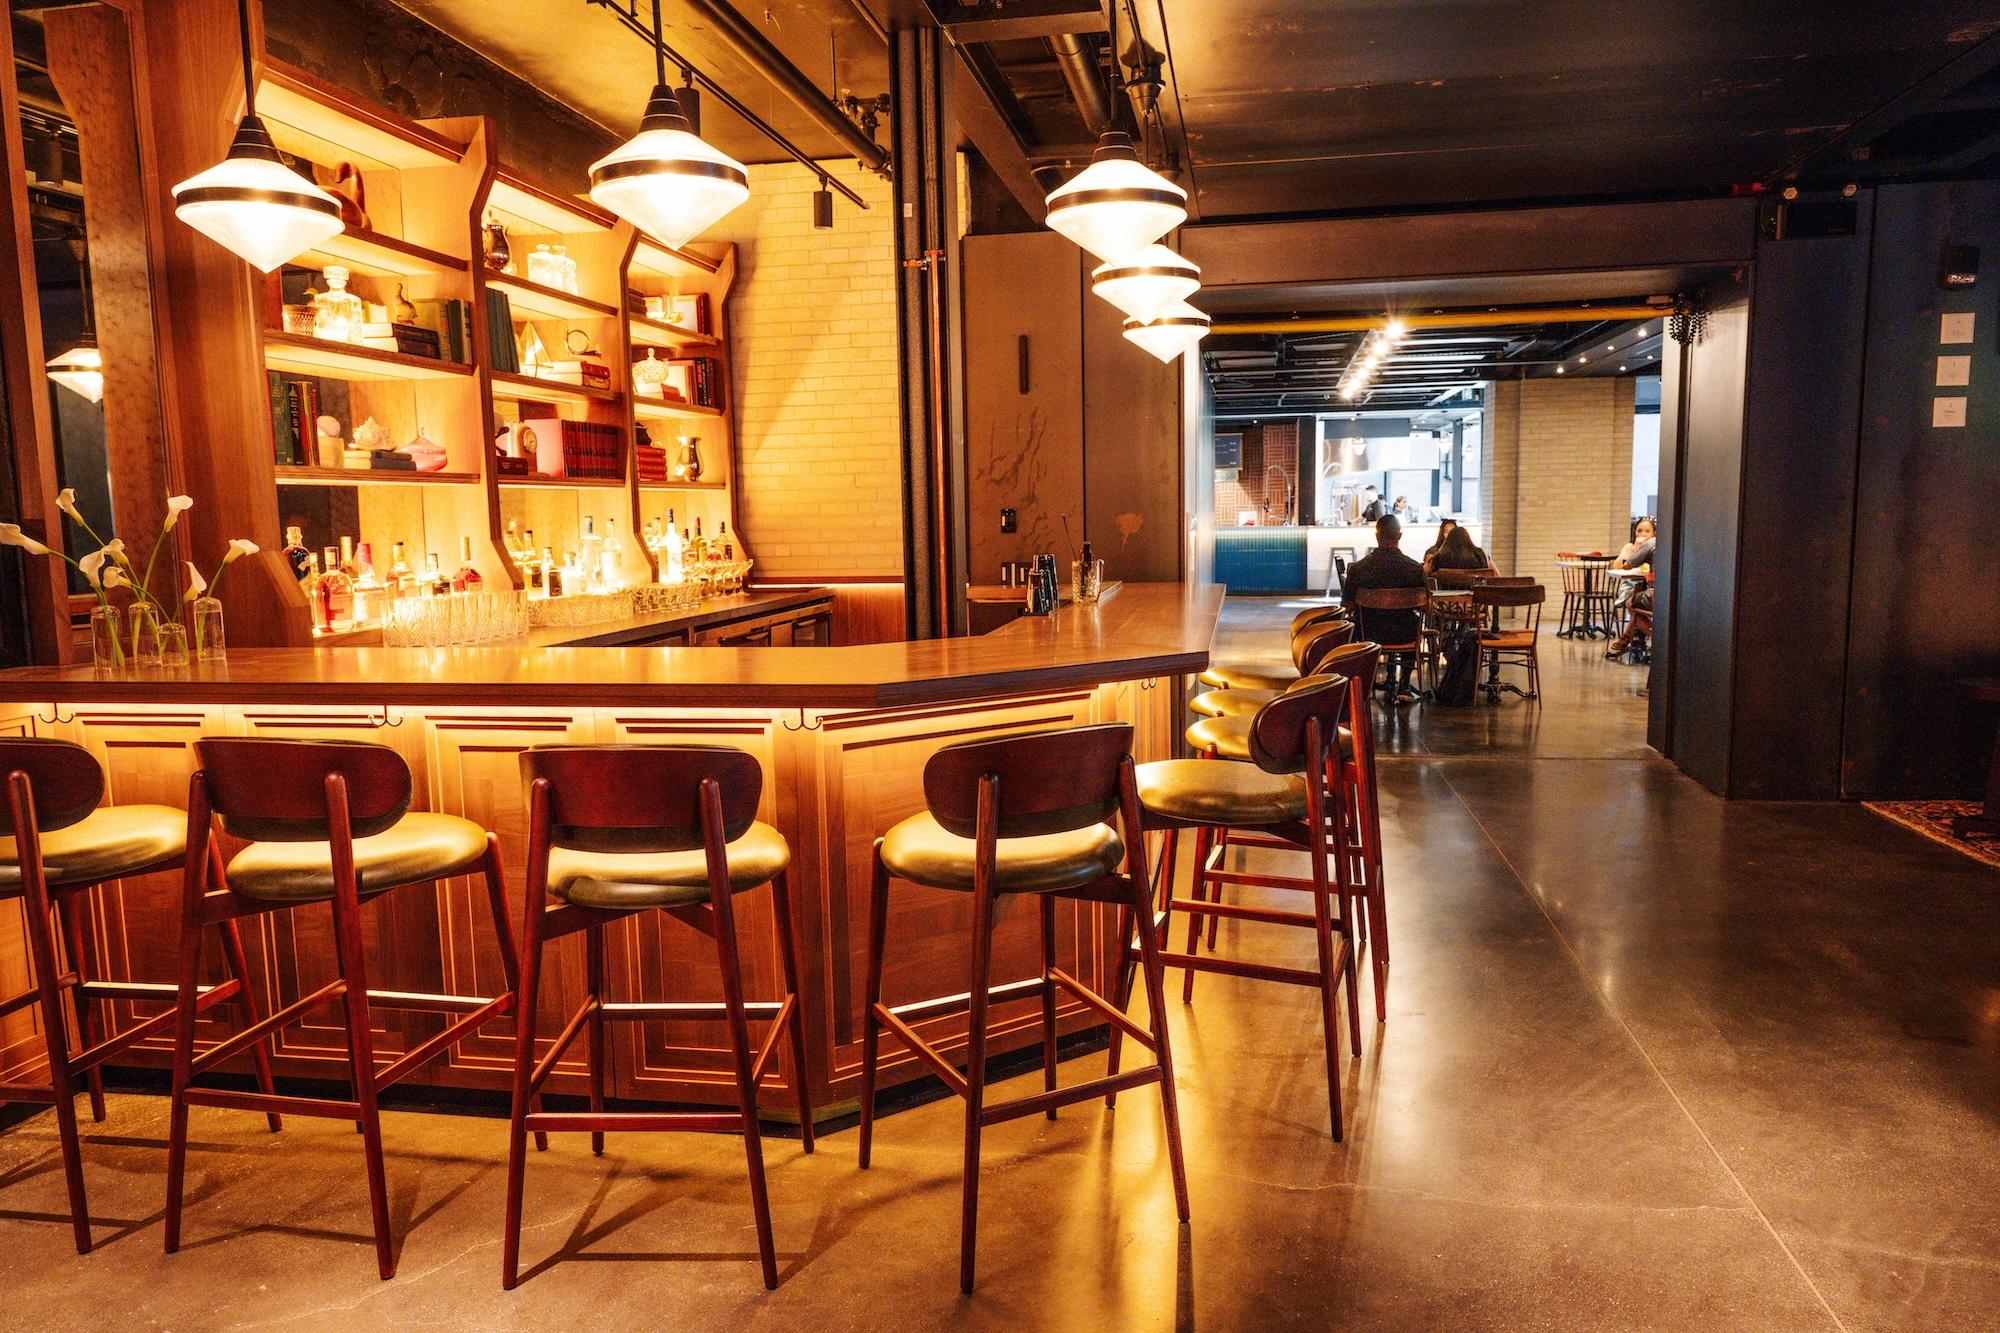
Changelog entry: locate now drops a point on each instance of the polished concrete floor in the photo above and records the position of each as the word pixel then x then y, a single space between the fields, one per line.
pixel 1652 1061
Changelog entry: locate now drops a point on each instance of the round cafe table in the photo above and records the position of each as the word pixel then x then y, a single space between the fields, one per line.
pixel 1985 689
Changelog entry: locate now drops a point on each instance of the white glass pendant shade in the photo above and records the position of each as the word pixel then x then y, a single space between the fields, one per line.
pixel 254 205
pixel 1168 335
pixel 665 180
pixel 80 370
pixel 1116 206
pixel 1148 284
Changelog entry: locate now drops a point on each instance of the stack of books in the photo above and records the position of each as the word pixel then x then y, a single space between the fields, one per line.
pixel 451 321
pixel 699 378
pixel 651 462
pixel 294 412
pixel 592 449
pixel 500 333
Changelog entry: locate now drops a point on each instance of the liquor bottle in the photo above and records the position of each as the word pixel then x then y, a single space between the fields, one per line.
pixel 514 538
pixel 347 565
pixel 673 568
pixel 611 557
pixel 370 598
pixel 467 579
pixel 700 548
pixel 435 578
pixel 552 581
pixel 334 591
pixel 728 548
pixel 296 553
pixel 400 577
pixel 589 555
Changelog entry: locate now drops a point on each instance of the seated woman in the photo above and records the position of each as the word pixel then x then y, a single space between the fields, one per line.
pixel 1637 595
pixel 1445 528
pixel 1456 550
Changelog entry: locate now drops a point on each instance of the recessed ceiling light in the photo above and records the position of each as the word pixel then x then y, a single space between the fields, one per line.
pixel 1559 370
pixel 1583 359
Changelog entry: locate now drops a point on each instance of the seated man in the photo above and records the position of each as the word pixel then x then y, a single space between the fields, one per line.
pixel 1387 567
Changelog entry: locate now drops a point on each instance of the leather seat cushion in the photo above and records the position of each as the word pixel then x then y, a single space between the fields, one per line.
pixel 1507 639
pixel 922 851
pixel 1248 678
pixel 1229 737
pixel 1204 791
pixel 419 847
pixel 620 881
pixel 109 841
pixel 1231 702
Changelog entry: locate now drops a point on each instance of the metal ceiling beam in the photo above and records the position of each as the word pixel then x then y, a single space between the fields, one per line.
pixel 1018 20
pixel 1452 319
pixel 1981 58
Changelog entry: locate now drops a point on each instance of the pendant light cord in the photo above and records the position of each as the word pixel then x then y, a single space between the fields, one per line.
pixel 659 49
pixel 243 35
pixel 1110 70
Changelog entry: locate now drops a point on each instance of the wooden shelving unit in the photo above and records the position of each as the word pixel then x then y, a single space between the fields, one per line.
pixel 428 188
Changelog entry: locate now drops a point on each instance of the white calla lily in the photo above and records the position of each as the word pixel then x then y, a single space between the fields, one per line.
pixel 115 578
pixel 90 566
pixel 11 535
pixel 197 585
pixel 176 506
pixel 66 501
pixel 241 546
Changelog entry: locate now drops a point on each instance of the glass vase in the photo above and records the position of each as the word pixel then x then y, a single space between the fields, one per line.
pixel 209 642
pixel 145 632
pixel 173 646
pixel 107 651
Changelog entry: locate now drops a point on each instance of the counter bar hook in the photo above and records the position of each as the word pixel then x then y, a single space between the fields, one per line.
pixel 388 718
pixel 57 720
pixel 803 725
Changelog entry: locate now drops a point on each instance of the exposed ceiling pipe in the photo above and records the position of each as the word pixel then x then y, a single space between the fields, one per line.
pixel 1454 319
pixel 1086 81
pixel 756 50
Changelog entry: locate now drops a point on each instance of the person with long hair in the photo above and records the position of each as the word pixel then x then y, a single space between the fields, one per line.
pixel 1456 551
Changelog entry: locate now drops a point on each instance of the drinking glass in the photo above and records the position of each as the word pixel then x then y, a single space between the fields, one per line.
pixel 107 651
pixel 173 644
pixel 145 635
pixel 209 642
pixel 1086 581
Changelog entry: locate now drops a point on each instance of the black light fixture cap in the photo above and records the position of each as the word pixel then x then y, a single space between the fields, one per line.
pixel 1115 146
pixel 253 140
pixel 823 208
pixel 663 112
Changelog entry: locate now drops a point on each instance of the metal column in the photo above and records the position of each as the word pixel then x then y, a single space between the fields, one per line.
pixel 932 351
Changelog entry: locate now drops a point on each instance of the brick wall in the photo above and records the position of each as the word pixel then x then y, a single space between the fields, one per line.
pixel 1275 445
pixel 813 355
pixel 1557 471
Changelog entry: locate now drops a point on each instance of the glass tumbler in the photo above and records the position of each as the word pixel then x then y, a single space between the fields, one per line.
pixel 1086 581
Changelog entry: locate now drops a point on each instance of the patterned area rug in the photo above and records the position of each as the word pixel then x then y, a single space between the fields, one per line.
pixel 1933 820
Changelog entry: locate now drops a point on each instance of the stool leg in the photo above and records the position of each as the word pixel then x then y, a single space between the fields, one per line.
pixel 781 900
pixel 189 979
pixel 871 1027
pixel 86 1008
pixel 593 953
pixel 55 1037
pixel 526 1006
pixel 1048 907
pixel 1219 849
pixel 253 1013
pixel 1123 996
pixel 503 936
pixel 361 1060
pixel 1328 980
pixel 1198 891
pixel 975 1076
pixel 746 1089
pixel 1156 1004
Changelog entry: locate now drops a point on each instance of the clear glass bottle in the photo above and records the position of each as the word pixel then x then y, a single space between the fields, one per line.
pixel 467 579
pixel 435 578
pixel 296 552
pixel 543 269
pixel 552 580
pixel 401 579
pixel 611 557
pixel 728 549
pixel 673 567
pixel 338 314
pixel 589 554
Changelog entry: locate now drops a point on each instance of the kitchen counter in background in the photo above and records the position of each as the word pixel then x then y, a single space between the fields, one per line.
pixel 1299 559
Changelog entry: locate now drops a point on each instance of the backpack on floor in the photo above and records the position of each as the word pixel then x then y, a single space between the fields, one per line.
pixel 1460 677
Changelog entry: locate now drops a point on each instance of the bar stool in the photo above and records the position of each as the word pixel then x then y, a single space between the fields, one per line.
pixel 1223 677
pixel 1355 777
pixel 1283 794
pixel 1247 691
pixel 1511 647
pixel 619 829
pixel 56 844
pixel 1026 814
pixel 326 822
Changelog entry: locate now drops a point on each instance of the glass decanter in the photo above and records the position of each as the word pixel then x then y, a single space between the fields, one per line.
pixel 338 314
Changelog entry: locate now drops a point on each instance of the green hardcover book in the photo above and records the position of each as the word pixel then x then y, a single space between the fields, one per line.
pixel 284 436
pixel 500 333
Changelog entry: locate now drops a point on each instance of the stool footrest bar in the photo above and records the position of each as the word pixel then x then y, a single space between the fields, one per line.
pixel 425 1002
pixel 250 1035
pixel 1103 1007
pixel 457 1032
pixel 545 1065
pixel 271 1103
pixel 771 1039
pixel 1043 1101
pixel 1236 911
pixel 760 1009
pixel 919 1010
pixel 1231 967
pixel 940 1066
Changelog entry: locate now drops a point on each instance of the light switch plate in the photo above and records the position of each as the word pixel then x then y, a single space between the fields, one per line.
pixel 1947 411
pixel 1955 328
pixel 1954 371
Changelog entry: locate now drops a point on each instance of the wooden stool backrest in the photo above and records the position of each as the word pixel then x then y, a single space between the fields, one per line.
pixel 1392 599
pixel 1310 649
pixel 640 798
pixel 1314 614
pixel 277 790
pixel 1461 578
pixel 1049 781
pixel 64 781
pixel 1278 731
pixel 1529 593
pixel 1506 581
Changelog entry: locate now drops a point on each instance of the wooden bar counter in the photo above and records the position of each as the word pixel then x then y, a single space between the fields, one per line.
pixel 842 734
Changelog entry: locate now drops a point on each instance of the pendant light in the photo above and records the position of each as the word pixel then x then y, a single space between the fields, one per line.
pixel 251 202
pixel 81 368
pixel 1149 283
pixel 1116 206
pixel 665 180
pixel 1166 336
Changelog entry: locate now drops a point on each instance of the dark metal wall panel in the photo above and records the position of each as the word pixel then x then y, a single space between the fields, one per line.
pixel 1131 450
pixel 1800 436
pixel 1926 606
pixel 1705 515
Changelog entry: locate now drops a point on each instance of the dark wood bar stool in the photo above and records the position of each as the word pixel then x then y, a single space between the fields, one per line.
pixel 1402 599
pixel 56 844
pixel 1286 794
pixel 1022 814
pixel 1354 777
pixel 1515 646
pixel 618 829
pixel 1226 677
pixel 326 822
pixel 1243 692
